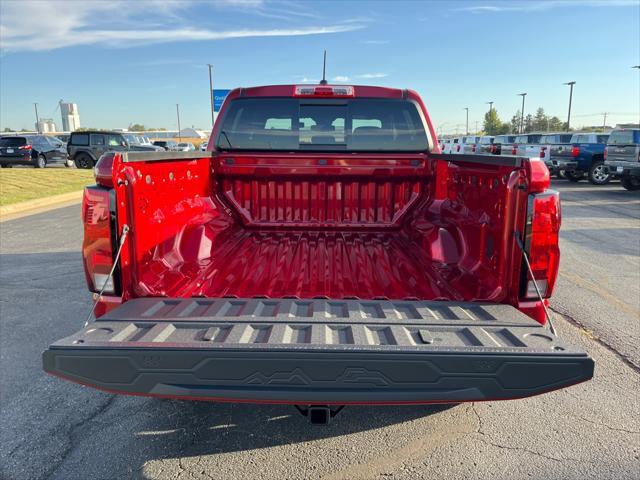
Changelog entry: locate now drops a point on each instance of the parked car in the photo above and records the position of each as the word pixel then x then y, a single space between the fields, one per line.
pixel 203 146
pixel 445 145
pixel 485 145
pixel 503 145
pixel 528 145
pixel 167 145
pixel 469 144
pixel 303 282
pixel 622 156
pixel 552 145
pixel 86 147
pixel 185 147
pixel 584 156
pixel 36 150
pixel 137 143
pixel 456 146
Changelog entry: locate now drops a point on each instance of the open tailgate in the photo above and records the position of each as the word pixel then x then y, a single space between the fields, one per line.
pixel 318 351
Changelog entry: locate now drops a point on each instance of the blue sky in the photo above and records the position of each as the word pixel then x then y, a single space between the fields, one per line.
pixel 131 62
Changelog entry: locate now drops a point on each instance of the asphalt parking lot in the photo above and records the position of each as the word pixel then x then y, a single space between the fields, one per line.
pixel 54 429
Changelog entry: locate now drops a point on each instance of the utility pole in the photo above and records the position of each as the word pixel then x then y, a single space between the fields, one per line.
pixel 522 113
pixel 178 113
pixel 467 109
pixel 571 84
pixel 604 121
pixel 638 67
pixel 35 105
pixel 211 92
pixel 490 129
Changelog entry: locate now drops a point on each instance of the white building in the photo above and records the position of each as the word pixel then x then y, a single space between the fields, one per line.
pixel 46 125
pixel 70 116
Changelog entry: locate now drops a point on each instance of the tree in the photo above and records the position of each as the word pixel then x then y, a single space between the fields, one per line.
pixel 137 127
pixel 540 121
pixel 556 125
pixel 7 129
pixel 492 123
pixel 514 125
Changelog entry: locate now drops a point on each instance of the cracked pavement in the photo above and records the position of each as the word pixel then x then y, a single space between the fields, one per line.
pixel 51 429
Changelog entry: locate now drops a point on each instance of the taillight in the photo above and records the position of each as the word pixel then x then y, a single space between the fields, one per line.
pixel 514 150
pixel 541 242
pixel 575 151
pixel 542 152
pixel 103 171
pixel 97 249
pixel 458 148
pixel 494 149
pixel 26 147
pixel 473 149
pixel 605 154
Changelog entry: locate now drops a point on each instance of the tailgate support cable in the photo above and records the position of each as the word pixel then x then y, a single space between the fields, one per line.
pixel 125 231
pixel 535 284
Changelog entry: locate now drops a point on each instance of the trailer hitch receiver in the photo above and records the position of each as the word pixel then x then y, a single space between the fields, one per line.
pixel 319 414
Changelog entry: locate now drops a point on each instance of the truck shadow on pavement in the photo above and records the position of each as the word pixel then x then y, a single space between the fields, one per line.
pixel 142 433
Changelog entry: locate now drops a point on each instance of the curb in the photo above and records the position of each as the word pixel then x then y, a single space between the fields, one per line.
pixel 30 207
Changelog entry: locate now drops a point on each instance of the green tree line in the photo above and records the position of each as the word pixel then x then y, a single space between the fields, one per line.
pixel 540 122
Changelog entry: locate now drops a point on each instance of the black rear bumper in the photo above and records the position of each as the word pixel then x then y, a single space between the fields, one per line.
pixel 318 352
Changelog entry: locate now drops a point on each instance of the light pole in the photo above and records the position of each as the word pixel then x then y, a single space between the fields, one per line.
pixel 490 122
pixel 178 114
pixel 571 84
pixel 35 105
pixel 522 113
pixel 211 92
pixel 638 67
pixel 467 109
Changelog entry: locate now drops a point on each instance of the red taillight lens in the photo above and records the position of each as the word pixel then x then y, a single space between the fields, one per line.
pixel 543 152
pixel 605 154
pixel 473 149
pixel 458 148
pixel 494 149
pixel 542 242
pixel 26 147
pixel 514 150
pixel 103 171
pixel 97 251
pixel 575 151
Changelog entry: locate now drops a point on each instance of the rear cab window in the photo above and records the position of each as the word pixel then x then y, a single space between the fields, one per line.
pixel 293 124
pixel 624 137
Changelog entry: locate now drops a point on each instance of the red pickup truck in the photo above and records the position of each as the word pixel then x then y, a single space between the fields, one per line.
pixel 322 252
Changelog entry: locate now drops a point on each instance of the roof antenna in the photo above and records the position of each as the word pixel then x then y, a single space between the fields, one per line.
pixel 324 69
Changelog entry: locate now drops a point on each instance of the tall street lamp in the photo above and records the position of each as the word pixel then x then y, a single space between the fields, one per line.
pixel 211 92
pixel 522 112
pixel 178 114
pixel 467 109
pixel 571 84
pixel 35 105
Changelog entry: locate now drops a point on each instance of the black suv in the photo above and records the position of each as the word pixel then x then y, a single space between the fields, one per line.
pixel 36 150
pixel 85 148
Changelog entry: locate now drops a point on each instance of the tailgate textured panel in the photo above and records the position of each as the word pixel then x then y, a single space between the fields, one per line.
pixel 313 324
pixel 318 351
